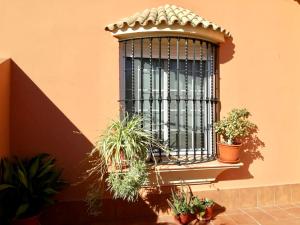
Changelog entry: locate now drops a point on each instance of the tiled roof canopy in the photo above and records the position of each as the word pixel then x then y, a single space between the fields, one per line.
pixel 167 14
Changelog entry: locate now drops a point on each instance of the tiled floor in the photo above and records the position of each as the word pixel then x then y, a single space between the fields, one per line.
pixel 273 215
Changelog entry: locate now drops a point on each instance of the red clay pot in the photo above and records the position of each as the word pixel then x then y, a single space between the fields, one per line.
pixel 229 153
pixel 28 221
pixel 208 213
pixel 186 218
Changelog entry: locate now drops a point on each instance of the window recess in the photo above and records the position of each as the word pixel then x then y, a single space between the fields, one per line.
pixel 171 83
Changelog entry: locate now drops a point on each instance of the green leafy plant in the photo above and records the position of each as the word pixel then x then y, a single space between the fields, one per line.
pixel 30 183
pixel 198 206
pixel 235 126
pixel 124 141
pixel 182 202
pixel 126 185
pixel 120 153
pixel 208 202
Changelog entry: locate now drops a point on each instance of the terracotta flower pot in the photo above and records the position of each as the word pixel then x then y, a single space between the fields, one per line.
pixel 208 213
pixel 28 221
pixel 229 153
pixel 186 218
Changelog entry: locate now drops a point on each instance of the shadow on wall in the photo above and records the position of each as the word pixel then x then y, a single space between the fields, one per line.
pixel 250 151
pixel 37 125
pixel 251 144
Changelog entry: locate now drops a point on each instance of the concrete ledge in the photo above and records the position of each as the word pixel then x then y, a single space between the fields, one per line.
pixel 198 173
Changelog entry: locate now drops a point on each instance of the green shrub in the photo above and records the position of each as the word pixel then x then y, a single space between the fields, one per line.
pixel 28 185
pixel 235 126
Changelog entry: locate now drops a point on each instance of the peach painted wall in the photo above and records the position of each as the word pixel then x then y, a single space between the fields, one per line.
pixel 65 77
pixel 4 106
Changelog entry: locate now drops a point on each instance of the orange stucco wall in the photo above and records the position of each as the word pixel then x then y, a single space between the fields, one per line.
pixel 4 106
pixel 65 78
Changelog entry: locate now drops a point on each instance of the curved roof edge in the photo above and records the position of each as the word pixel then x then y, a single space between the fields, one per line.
pixel 169 15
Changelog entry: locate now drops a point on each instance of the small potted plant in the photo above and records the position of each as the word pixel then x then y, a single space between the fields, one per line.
pixel 27 187
pixel 203 208
pixel 232 129
pixel 184 206
pixel 208 205
pixel 119 160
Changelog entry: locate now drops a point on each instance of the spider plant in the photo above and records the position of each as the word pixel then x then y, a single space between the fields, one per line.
pixel 125 140
pixel 126 185
pixel 121 152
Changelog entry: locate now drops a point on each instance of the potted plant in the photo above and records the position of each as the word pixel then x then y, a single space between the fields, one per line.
pixel 119 160
pixel 233 128
pixel 30 185
pixel 208 205
pixel 185 206
pixel 203 208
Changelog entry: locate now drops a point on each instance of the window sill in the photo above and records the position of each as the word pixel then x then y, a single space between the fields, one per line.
pixel 199 173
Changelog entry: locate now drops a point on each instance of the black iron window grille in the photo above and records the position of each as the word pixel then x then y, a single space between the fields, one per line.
pixel 171 83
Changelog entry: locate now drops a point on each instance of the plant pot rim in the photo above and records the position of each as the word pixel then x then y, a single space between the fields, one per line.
pixel 234 145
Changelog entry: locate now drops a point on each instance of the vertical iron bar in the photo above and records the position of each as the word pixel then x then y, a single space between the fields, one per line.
pixel 201 99
pixel 151 88
pixel 186 98
pixel 194 100
pixel 178 99
pixel 169 96
pixel 215 97
pixel 211 99
pixel 132 76
pixel 217 90
pixel 123 104
pixel 142 84
pixel 207 100
pixel 159 96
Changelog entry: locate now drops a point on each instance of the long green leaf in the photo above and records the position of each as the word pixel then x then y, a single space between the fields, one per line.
pixel 46 170
pixel 5 186
pixel 50 191
pixel 34 167
pixel 22 178
pixel 22 209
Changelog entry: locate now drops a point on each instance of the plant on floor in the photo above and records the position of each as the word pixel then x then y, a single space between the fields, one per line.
pixel 203 208
pixel 185 206
pixel 30 183
pixel 181 203
pixel 199 206
pixel 232 129
pixel 6 195
pixel 120 153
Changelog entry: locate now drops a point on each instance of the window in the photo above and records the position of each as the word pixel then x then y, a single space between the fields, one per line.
pixel 171 83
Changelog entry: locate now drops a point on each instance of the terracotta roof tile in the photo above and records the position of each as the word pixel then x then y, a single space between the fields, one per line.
pixel 168 14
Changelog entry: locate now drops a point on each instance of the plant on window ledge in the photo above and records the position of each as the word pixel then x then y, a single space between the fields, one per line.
pixel 233 128
pixel 118 161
